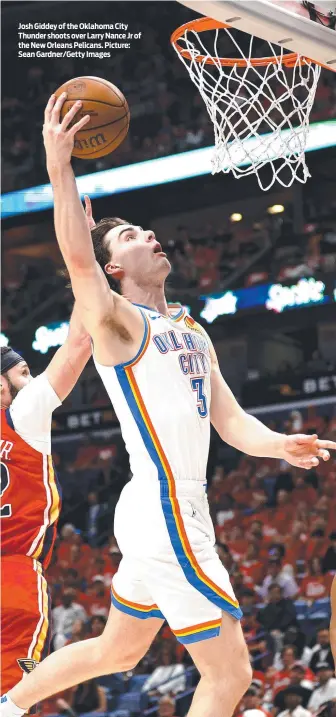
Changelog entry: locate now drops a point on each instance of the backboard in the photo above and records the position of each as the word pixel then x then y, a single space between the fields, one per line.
pixel 286 23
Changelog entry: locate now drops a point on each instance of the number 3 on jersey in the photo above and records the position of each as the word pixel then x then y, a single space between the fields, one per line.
pixel 6 510
pixel 197 384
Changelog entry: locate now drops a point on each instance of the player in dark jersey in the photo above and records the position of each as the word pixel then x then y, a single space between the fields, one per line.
pixel 30 497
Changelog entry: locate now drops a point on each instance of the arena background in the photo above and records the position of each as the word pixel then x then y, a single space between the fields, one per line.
pixel 258 270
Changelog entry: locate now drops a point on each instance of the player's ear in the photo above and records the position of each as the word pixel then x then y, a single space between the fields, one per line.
pixel 114 270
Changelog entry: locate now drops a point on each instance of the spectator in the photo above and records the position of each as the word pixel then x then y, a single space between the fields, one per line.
pixel 77 561
pixel 252 701
pixel 281 678
pixel 296 680
pixel 321 651
pixel 87 697
pixel 303 491
pixel 254 713
pixel 275 575
pixel 315 585
pixel 67 535
pixel 97 625
pixel 166 707
pixel 168 677
pixel 95 513
pixel 97 600
pixel 326 689
pixel 294 636
pixel 78 631
pixel 97 566
pixel 247 598
pixel 64 617
pixel 112 564
pixel 226 558
pixel 329 559
pixel 252 566
pixel 293 704
pixel 279 614
pixel 194 136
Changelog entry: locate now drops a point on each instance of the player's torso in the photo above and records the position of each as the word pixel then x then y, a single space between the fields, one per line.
pixel 30 497
pixel 162 399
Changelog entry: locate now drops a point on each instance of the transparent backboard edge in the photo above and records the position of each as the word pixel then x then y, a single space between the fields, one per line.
pixel 275 24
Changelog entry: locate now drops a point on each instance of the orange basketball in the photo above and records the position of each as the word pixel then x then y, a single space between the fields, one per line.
pixel 109 114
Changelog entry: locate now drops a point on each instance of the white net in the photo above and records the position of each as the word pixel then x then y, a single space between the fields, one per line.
pixel 260 113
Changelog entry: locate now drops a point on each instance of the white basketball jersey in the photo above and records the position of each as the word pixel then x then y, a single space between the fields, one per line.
pixel 162 398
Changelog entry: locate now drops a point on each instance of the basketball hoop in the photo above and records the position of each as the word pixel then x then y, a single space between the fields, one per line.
pixel 259 106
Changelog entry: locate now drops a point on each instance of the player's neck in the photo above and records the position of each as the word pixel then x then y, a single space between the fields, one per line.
pixel 153 297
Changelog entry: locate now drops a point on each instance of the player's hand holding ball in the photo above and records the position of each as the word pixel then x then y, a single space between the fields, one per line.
pixel 87 117
pixel 59 137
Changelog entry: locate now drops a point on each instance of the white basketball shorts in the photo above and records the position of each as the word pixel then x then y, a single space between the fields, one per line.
pixel 170 568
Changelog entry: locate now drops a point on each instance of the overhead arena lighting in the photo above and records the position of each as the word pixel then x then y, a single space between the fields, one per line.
pixel 276 209
pixel 236 217
pixel 4 340
pixel 151 173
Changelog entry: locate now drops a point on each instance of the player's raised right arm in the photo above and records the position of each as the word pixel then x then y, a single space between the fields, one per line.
pixel 89 284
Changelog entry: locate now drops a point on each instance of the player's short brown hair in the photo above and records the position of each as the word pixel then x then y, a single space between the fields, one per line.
pixel 100 247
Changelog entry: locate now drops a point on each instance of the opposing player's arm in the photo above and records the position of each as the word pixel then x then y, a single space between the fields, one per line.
pixel 67 365
pixel 96 302
pixel 249 435
pixel 333 621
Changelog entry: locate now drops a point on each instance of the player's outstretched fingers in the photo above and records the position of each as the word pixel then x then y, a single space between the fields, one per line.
pixel 88 212
pixel 326 444
pixel 308 463
pixel 76 127
pixel 56 110
pixel 48 109
pixel 68 117
pixel 88 205
pixel 322 453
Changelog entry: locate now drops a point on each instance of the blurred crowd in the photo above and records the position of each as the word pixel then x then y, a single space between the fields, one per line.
pixel 203 261
pixel 167 112
pixel 276 535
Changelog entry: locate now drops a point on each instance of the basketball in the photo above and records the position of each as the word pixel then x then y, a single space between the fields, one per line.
pixel 108 110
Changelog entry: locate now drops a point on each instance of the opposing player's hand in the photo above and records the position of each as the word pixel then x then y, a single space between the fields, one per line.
pixel 306 451
pixel 88 211
pixel 59 136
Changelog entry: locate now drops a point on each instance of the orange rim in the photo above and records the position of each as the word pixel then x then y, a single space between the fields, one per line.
pixel 202 24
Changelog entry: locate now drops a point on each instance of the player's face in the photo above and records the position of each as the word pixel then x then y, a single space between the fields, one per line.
pixel 138 254
pixel 15 379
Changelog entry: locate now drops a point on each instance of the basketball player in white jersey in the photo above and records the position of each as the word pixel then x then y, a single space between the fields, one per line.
pixel 161 373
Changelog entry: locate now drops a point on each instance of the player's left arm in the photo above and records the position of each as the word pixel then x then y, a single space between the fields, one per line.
pixel 249 435
pixel 332 629
pixel 31 410
pixel 69 361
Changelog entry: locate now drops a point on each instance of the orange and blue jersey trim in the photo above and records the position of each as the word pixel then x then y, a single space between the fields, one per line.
pixel 196 633
pixel 175 317
pixel 170 505
pixel 134 609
